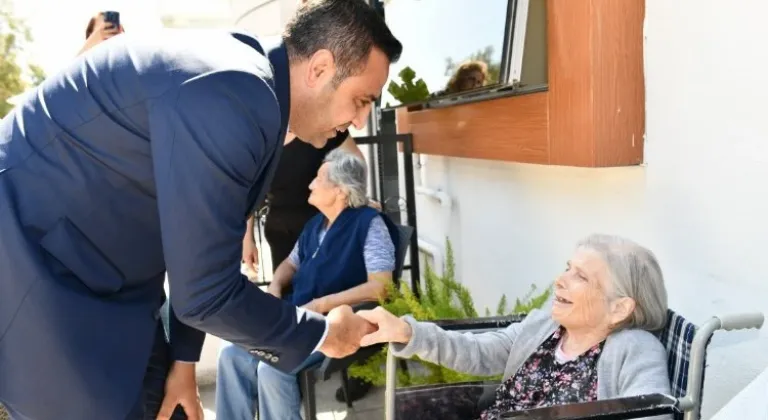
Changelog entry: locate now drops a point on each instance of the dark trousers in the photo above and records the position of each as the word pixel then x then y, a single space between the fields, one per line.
pixel 151 398
pixel 282 229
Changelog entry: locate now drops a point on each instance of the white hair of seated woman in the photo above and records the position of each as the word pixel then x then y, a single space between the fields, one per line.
pixel 348 171
pixel 635 273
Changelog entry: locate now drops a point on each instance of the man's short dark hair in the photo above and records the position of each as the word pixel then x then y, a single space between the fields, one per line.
pixel 349 29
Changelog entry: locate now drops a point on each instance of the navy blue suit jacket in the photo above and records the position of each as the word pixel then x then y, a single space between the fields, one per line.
pixel 144 155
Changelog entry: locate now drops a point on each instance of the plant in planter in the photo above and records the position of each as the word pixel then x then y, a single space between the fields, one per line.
pixel 442 298
pixel 410 90
pixel 4 414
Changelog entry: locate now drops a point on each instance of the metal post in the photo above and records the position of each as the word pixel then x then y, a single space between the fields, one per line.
pixel 389 175
pixel 410 198
pixel 389 390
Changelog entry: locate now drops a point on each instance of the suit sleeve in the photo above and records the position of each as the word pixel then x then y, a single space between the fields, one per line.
pixel 212 138
pixel 186 343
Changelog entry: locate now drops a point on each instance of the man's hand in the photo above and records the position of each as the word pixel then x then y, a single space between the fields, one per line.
pixel 391 329
pixel 345 330
pixel 375 204
pixel 250 256
pixel 181 389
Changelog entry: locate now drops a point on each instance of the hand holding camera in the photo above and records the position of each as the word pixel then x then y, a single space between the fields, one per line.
pixel 103 26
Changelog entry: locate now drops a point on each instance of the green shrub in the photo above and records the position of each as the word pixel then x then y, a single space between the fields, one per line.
pixel 441 298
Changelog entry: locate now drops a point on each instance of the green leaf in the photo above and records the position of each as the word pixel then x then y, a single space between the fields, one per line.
pixel 410 90
pixel 15 36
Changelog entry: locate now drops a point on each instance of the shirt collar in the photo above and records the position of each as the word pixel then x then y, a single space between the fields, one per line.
pixel 274 49
pixel 277 54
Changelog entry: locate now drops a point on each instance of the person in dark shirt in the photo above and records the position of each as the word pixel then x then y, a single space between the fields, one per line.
pixel 345 255
pixel 287 198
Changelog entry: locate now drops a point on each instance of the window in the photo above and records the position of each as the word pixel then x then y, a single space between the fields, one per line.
pixel 528 45
pixel 455 49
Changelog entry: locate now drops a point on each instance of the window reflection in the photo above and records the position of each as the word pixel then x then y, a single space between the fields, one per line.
pixel 449 46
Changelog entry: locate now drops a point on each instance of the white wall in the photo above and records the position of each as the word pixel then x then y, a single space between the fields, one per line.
pixel 262 17
pixel 700 202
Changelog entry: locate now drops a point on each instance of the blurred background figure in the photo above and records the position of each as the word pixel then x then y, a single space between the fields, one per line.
pixel 100 30
pixel 470 75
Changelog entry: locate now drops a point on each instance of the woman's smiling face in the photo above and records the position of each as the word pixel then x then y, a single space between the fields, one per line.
pixel 582 292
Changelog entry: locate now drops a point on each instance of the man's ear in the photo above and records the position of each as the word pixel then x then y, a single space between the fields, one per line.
pixel 321 68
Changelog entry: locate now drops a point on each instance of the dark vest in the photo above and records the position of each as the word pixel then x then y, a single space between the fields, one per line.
pixel 337 264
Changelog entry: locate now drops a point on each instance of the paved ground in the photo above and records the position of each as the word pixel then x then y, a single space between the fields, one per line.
pixel 369 408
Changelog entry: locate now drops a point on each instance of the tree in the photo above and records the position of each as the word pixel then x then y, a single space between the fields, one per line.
pixel 486 56
pixel 15 76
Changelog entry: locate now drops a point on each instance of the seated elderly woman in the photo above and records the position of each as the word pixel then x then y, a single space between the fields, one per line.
pixel 345 255
pixel 593 341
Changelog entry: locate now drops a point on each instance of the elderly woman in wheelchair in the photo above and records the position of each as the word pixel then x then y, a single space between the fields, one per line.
pixel 345 255
pixel 595 340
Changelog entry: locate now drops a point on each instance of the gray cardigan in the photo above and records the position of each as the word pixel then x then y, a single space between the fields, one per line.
pixel 633 362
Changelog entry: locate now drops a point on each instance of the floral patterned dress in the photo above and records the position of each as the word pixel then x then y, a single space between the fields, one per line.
pixel 544 381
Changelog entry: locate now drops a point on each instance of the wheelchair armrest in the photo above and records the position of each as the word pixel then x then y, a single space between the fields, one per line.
pixel 618 408
pixel 485 323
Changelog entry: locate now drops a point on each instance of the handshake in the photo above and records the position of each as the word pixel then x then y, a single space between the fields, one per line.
pixel 348 331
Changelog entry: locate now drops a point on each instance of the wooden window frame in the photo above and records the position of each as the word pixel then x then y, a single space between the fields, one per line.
pixel 591 115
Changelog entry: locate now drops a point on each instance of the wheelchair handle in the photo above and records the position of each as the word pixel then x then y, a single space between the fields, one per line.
pixel 742 321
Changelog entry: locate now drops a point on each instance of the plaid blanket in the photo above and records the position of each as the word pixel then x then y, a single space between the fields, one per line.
pixel 677 337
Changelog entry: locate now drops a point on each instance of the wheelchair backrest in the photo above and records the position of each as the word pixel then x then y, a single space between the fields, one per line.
pixel 677 337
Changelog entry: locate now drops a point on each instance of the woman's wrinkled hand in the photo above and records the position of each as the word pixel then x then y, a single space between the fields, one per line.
pixel 391 329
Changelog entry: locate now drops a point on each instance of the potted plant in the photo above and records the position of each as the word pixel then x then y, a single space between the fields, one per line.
pixel 411 90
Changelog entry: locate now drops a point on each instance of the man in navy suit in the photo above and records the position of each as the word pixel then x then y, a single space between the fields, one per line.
pixel 146 156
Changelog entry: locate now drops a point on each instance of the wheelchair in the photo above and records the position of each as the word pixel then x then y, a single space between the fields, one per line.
pixel 686 346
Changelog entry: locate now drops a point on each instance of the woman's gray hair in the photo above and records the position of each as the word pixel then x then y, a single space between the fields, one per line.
pixel 348 171
pixel 636 274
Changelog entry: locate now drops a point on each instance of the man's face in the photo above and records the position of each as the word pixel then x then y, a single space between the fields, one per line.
pixel 320 109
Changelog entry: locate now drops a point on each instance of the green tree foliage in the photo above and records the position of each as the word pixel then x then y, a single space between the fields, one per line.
pixel 442 297
pixel 15 77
